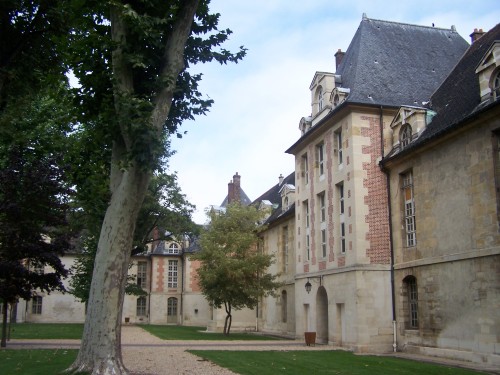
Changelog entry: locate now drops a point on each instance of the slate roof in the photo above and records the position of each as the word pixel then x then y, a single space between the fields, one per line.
pixel 273 195
pixel 393 64
pixel 244 200
pixel 458 97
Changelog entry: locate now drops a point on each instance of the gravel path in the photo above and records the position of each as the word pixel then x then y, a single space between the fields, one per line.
pixel 145 354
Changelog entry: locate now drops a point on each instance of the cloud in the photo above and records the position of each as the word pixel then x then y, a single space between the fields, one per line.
pixel 260 101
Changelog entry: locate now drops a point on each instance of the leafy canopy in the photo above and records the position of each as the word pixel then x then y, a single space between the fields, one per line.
pixel 233 267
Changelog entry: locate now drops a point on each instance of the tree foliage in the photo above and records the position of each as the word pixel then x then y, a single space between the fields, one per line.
pixel 233 267
pixel 33 201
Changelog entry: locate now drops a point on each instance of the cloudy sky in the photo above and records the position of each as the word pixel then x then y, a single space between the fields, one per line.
pixel 260 101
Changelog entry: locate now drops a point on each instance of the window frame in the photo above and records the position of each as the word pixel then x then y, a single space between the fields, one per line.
pixel 37 305
pixel 141 306
pixel 411 289
pixel 320 155
pixel 338 143
pixel 405 135
pixel 173 274
pixel 409 214
pixel 142 274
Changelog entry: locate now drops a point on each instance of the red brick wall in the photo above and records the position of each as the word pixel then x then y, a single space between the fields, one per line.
pixel 378 236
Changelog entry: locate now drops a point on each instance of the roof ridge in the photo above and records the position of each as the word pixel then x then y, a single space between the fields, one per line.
pixel 452 28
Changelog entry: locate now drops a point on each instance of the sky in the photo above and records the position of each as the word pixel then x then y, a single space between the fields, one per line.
pixel 258 103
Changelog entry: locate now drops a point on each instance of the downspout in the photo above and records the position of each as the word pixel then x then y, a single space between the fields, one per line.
pixel 183 258
pixel 388 183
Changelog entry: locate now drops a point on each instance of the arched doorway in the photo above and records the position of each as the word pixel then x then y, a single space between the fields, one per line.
pixel 322 316
pixel 172 310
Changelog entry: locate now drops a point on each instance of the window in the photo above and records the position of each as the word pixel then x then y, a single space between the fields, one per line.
pixel 36 305
pixel 305 169
pixel 338 141
pixel 405 135
pixel 495 89
pixel 172 306
pixel 322 207
pixel 412 299
pixel 141 274
pixel 284 307
pixel 306 213
pixel 286 204
pixel 340 195
pixel 323 243
pixel 320 154
pixel 172 273
pixel 409 210
pixel 321 95
pixel 141 306
pixel 308 249
pixel 173 248
pixel 336 100
pixel 285 249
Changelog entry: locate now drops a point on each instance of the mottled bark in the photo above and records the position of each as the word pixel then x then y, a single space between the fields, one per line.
pixel 100 352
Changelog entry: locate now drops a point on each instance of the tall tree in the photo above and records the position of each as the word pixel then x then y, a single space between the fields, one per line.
pixel 33 199
pixel 233 268
pixel 131 60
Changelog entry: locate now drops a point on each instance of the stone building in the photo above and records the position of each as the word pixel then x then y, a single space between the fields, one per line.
pixel 342 231
pixel 442 162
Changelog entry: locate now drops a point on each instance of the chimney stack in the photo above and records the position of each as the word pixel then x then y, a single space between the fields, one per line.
pixel 237 188
pixel 339 55
pixel 476 34
pixel 234 189
pixel 280 179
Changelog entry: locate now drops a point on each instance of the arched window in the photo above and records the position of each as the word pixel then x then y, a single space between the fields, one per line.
pixel 321 99
pixel 336 100
pixel 172 306
pixel 173 248
pixel 284 307
pixel 141 306
pixel 411 292
pixel 495 85
pixel 405 135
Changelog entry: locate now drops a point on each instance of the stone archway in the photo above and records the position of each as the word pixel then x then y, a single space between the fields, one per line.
pixel 322 316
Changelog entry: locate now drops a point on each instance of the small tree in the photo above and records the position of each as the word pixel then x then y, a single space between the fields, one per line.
pixel 233 268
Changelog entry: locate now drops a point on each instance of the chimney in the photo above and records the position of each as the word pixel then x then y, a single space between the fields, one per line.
pixel 237 189
pixel 230 192
pixel 339 55
pixel 280 179
pixel 476 34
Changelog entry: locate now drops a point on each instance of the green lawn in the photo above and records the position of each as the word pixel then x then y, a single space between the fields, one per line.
pixel 198 333
pixel 46 331
pixel 321 362
pixel 35 362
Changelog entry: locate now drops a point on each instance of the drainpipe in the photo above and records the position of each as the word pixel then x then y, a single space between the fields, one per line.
pixel 388 183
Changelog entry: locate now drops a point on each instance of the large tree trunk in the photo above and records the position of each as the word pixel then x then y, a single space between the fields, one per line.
pixel 100 352
pixel 4 325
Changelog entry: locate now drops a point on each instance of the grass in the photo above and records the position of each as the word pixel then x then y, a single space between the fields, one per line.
pixel 35 362
pixel 321 362
pixel 45 331
pixel 198 333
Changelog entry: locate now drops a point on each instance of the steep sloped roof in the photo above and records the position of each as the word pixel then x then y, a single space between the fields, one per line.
pixel 459 95
pixel 393 64
pixel 244 200
pixel 273 195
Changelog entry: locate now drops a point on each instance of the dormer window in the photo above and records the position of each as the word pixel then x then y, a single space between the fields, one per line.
pixel 336 100
pixel 405 135
pixel 495 85
pixel 321 95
